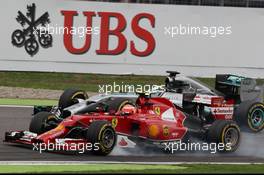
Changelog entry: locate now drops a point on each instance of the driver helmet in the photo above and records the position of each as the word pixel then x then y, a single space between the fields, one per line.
pixel 128 109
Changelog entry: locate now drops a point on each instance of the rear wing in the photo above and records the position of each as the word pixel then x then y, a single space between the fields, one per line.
pixel 238 88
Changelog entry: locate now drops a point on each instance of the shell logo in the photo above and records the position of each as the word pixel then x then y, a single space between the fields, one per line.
pixel 153 130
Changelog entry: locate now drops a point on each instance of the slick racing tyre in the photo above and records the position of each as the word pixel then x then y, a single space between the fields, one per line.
pixel 70 97
pixel 42 122
pixel 250 115
pixel 226 133
pixel 116 104
pixel 103 137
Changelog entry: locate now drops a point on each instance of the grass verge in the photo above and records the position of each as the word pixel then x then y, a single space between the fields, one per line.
pixel 61 81
pixel 27 102
pixel 88 82
pixel 128 168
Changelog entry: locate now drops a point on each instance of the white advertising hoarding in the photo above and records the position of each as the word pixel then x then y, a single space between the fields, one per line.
pixel 117 38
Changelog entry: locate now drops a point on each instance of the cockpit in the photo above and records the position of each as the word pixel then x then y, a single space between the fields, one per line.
pixel 181 84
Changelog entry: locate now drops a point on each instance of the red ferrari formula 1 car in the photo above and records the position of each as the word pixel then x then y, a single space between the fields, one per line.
pixel 233 98
pixel 150 121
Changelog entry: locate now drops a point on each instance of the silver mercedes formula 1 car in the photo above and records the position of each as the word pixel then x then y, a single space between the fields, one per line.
pixel 233 98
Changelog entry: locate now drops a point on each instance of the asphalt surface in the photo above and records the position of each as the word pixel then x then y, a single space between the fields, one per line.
pixel 17 118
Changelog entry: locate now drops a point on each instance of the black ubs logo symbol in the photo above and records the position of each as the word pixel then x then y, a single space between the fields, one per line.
pixel 30 33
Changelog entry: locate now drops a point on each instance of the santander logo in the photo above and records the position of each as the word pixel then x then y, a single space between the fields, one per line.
pixel 123 43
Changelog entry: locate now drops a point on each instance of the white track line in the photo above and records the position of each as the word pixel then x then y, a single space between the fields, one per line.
pixel 15 106
pixel 117 162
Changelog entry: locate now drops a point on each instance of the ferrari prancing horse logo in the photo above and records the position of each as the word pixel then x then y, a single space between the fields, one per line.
pixel 157 110
pixel 114 122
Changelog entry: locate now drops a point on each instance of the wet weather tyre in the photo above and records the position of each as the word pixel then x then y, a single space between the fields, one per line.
pixel 39 121
pixel 103 137
pixel 250 116
pixel 69 97
pixel 226 134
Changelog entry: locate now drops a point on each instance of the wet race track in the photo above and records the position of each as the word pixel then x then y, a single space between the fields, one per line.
pixel 17 118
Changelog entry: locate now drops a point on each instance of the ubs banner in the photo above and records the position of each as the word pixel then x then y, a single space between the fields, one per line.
pixel 117 38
